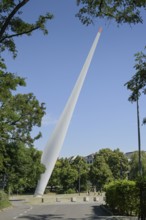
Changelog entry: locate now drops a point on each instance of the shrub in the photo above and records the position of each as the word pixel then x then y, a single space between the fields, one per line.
pixel 70 191
pixel 122 197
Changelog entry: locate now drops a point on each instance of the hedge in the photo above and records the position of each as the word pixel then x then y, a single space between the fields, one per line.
pixel 122 197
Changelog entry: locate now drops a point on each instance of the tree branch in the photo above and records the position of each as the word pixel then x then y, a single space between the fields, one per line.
pixel 19 34
pixel 100 6
pixel 14 11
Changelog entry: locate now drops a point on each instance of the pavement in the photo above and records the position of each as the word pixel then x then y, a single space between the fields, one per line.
pixel 51 206
pixel 65 206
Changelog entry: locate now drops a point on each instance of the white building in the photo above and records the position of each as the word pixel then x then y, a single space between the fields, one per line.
pixel 89 159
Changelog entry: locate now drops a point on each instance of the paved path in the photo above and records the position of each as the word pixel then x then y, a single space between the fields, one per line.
pixel 54 211
pixel 53 207
pixel 19 207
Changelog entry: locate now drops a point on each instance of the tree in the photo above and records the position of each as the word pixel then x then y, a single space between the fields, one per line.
pixel 82 168
pixel 19 165
pixel 54 181
pixel 18 114
pixel 137 85
pixel 68 176
pixel 21 168
pixel 134 165
pixel 100 173
pixel 64 176
pixel 117 162
pixel 8 82
pixel 12 24
pixel 124 11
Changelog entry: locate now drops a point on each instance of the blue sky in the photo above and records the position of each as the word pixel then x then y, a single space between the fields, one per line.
pixel 103 117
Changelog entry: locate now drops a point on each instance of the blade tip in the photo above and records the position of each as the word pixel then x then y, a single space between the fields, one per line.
pixel 100 30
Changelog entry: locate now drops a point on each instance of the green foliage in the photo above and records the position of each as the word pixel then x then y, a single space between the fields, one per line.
pixel 107 165
pixel 100 173
pixel 12 24
pixel 117 162
pixel 134 165
pixel 18 114
pixel 22 167
pixel 82 169
pixel 70 191
pixel 54 182
pixel 141 185
pixel 66 174
pixel 122 197
pixel 124 11
pixel 138 82
pixel 8 82
pixel 137 85
pixel 63 176
pixel 4 200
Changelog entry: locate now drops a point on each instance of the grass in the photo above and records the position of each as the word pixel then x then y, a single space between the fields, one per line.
pixel 4 200
pixel 4 204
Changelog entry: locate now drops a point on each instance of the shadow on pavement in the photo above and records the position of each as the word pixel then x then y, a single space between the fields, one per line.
pixel 16 200
pixel 96 212
pixel 42 217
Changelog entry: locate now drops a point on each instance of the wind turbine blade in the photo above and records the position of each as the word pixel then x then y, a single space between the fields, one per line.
pixel 53 147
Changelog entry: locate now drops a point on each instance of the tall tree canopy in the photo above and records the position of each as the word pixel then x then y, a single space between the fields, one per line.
pixel 123 11
pixel 137 84
pixel 19 113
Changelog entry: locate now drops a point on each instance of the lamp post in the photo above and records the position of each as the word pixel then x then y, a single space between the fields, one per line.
pixel 141 215
pixel 79 189
pixel 139 140
pixel 121 171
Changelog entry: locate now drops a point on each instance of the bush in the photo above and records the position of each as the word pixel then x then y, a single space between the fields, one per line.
pixel 70 191
pixel 4 200
pixel 122 197
pixel 141 185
